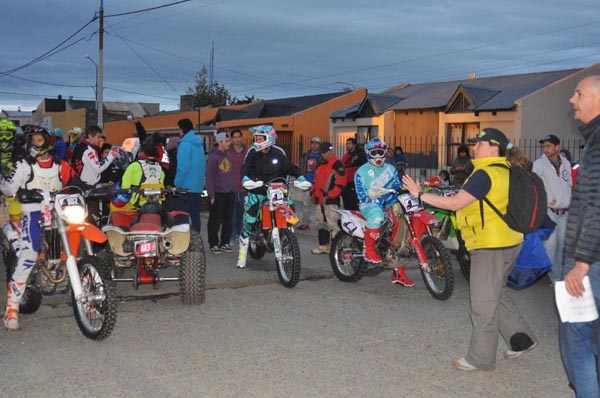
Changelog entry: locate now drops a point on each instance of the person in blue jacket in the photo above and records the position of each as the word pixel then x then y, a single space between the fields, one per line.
pixel 60 146
pixel 191 166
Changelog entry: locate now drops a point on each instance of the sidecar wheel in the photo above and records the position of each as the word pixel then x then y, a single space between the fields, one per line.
pixel 192 274
pixel 288 269
pixel 346 269
pixel 97 315
pixel 439 279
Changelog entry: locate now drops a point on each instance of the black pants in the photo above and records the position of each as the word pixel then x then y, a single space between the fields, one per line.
pixel 349 197
pixel 220 215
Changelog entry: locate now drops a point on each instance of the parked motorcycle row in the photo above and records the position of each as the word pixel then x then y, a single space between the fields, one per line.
pixel 87 261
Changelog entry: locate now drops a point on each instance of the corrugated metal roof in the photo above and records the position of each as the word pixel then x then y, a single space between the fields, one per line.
pixel 18 113
pixel 510 88
pixel 372 104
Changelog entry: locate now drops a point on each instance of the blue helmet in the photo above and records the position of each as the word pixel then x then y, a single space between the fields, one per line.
pixel 266 131
pixel 120 199
pixel 58 132
pixel 375 150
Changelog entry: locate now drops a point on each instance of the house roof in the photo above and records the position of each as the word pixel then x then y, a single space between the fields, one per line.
pixel 488 93
pixel 277 107
pixel 373 104
pixel 18 113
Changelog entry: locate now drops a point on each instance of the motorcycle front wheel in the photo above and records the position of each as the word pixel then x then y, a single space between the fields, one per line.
pixel 463 257
pixel 288 269
pixel 438 275
pixel 96 313
pixel 345 267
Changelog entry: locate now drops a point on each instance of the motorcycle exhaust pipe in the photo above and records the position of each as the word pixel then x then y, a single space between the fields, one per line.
pixel 167 244
pixel 51 278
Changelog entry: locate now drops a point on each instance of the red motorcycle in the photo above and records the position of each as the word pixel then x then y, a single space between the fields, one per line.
pixel 414 238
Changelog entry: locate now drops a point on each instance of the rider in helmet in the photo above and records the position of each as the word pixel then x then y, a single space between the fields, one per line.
pixel 75 135
pixel 370 178
pixel 38 171
pixel 146 169
pixel 264 162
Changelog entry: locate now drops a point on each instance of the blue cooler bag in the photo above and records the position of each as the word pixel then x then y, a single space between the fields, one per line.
pixel 533 261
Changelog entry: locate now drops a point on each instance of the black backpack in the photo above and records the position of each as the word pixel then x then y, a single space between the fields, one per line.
pixel 527 201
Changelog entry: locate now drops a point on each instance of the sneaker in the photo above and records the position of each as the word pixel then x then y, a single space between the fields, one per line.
pixel 510 354
pixel 215 249
pixel 304 227
pixel 226 248
pixel 399 276
pixel 462 364
pixel 323 249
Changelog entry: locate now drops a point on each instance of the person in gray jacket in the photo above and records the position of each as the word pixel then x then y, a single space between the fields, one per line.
pixel 580 341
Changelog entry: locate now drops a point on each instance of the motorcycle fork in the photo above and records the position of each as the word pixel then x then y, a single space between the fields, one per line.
pixel 275 234
pixel 71 262
pixel 416 229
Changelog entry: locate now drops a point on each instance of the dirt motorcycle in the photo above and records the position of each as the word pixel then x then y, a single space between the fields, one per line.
pixel 150 240
pixel 414 238
pixel 59 266
pixel 448 231
pixel 274 230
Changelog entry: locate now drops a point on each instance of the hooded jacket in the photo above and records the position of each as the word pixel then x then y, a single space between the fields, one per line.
pixel 191 163
pixel 219 173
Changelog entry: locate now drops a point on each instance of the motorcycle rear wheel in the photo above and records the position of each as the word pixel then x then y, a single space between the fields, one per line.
pixel 96 319
pixel 288 269
pixel 192 274
pixel 439 279
pixel 351 270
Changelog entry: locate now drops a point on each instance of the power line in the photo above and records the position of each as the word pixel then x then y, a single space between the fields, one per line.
pixel 50 52
pixel 146 9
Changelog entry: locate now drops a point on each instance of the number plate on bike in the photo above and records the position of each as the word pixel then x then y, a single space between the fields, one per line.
pixel 146 248
pixel 278 197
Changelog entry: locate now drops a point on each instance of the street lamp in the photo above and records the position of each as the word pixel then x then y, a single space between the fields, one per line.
pixel 96 89
pixel 347 84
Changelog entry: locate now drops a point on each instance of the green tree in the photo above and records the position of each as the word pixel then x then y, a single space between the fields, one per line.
pixel 206 94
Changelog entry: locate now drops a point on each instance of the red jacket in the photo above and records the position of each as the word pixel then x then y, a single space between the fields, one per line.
pixel 329 183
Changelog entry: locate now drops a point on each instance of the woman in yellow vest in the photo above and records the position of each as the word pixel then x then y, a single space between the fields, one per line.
pixel 494 248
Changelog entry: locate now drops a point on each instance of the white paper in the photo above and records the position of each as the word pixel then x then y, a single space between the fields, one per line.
pixel 575 309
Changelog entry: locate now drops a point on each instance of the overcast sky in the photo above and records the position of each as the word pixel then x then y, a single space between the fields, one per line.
pixel 278 48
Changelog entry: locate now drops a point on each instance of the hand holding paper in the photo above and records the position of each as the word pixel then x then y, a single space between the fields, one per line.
pixel 576 309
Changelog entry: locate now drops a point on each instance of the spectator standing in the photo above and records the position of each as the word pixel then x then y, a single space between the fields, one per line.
pixel 352 160
pixel 219 185
pixel 580 341
pixel 555 172
pixel 462 166
pixel 330 180
pixel 88 161
pixel 114 172
pixel 309 162
pixel 400 159
pixel 172 144
pixel 60 146
pixel 191 167
pixel 237 154
pixel 494 250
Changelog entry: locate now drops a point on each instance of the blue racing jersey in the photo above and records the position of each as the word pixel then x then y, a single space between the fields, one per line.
pixel 369 176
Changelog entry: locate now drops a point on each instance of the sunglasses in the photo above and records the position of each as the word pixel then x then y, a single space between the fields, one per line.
pixel 377 153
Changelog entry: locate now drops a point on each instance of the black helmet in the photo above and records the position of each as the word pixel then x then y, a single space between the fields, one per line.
pixel 30 130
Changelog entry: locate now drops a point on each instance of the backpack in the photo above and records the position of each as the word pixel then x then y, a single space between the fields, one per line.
pixel 527 201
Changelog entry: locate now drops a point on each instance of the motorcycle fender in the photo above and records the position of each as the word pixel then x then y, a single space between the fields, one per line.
pixel 352 225
pixel 420 220
pixel 93 233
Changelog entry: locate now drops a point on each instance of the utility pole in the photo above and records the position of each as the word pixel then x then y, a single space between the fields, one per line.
pixel 101 66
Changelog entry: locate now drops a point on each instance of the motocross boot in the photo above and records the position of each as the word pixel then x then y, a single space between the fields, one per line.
pixel 369 251
pixel 241 262
pixel 13 297
pixel 399 276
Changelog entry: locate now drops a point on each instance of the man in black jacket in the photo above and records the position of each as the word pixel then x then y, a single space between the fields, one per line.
pixel 580 341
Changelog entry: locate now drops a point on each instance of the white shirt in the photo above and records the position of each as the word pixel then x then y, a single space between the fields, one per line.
pixel 558 186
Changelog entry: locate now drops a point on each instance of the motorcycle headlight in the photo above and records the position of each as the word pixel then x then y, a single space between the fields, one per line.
pixel 74 214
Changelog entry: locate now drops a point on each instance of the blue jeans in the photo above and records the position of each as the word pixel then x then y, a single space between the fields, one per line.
pixel 190 203
pixel 580 344
pixel 238 215
pixel 555 244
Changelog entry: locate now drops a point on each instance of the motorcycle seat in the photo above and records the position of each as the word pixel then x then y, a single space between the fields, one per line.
pixel 148 222
pixel 123 219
